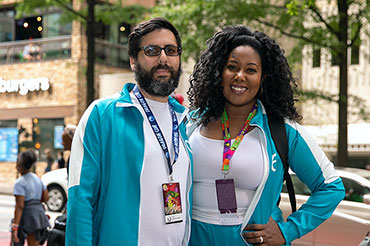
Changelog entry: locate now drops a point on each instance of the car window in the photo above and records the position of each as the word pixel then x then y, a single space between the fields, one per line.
pixel 299 187
pixel 354 191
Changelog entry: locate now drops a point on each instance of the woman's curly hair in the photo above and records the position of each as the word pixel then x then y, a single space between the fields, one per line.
pixel 276 93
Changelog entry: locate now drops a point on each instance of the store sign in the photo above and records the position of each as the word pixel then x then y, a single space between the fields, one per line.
pixel 23 86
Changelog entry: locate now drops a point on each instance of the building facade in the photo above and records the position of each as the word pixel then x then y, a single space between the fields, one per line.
pixel 321 73
pixel 42 76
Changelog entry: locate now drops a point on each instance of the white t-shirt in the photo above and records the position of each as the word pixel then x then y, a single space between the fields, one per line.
pixel 153 230
pixel 246 168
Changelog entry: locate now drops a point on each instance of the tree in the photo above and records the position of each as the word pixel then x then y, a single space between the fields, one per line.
pixel 307 21
pixel 96 11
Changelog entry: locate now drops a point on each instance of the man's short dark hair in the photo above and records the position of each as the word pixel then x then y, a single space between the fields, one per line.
pixel 134 39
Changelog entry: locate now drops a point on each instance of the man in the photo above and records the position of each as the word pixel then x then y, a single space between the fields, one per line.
pixel 130 168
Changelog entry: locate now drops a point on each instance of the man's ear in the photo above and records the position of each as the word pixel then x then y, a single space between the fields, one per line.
pixel 132 63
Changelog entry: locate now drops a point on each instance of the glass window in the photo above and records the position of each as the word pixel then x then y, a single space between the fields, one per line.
pixel 43 131
pixel 299 187
pixel 355 53
pixel 8 123
pixel 354 191
pixel 54 26
pixel 316 56
pixel 102 31
pixel 30 27
pixel 334 59
pixel 123 32
pixel 8 140
pixel 6 25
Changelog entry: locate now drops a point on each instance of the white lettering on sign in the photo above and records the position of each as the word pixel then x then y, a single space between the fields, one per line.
pixel 23 86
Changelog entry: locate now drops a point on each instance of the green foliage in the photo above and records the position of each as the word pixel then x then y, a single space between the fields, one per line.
pixel 198 20
pixel 104 11
pixel 108 13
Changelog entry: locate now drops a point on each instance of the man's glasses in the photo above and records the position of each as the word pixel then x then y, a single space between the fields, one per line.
pixel 155 50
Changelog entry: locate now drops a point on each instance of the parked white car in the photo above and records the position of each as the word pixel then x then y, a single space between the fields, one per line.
pixel 350 221
pixel 56 182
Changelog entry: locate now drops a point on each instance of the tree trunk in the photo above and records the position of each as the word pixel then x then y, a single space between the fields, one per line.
pixel 90 74
pixel 342 154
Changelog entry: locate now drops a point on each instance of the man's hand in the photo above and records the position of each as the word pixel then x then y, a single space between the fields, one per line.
pixel 268 234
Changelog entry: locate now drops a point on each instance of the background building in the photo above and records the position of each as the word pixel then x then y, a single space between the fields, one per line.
pixel 42 77
pixel 320 72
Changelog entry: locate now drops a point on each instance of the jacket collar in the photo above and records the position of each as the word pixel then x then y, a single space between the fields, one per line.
pixel 258 118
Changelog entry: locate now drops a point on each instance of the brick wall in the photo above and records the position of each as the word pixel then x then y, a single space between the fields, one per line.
pixel 8 172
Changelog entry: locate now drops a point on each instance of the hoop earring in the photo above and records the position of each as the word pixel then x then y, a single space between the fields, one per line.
pixel 260 90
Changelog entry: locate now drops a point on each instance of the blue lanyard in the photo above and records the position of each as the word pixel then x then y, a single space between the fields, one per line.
pixel 157 130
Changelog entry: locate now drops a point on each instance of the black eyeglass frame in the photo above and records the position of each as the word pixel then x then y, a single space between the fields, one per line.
pixel 179 50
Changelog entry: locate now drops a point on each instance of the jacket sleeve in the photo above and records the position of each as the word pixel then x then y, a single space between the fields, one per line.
pixel 84 179
pixel 314 169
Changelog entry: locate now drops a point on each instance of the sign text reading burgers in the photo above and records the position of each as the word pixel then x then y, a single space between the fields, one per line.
pixel 23 86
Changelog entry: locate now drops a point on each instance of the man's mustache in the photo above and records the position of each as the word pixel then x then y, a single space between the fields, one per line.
pixel 162 67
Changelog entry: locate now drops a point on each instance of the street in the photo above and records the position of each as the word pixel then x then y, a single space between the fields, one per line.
pixel 7 203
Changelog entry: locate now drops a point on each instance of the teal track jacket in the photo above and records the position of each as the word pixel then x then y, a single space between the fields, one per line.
pixel 310 164
pixel 105 168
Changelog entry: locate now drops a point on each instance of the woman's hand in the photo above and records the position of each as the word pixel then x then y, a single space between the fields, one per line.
pixel 15 236
pixel 267 234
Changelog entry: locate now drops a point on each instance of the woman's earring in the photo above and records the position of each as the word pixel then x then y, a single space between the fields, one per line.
pixel 260 90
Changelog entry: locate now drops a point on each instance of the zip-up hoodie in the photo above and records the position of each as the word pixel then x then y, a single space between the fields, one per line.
pixel 310 164
pixel 105 169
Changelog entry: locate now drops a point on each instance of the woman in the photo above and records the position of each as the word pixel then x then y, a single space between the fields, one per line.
pixel 30 221
pixel 240 78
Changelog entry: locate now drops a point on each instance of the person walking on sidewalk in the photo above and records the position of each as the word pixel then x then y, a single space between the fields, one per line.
pixel 130 167
pixel 30 221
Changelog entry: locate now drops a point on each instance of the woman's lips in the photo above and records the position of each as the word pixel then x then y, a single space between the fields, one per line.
pixel 238 89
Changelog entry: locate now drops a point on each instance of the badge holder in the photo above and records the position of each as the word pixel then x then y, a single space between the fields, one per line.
pixel 172 202
pixel 226 200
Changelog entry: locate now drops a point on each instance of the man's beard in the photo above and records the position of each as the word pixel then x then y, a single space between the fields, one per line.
pixel 157 87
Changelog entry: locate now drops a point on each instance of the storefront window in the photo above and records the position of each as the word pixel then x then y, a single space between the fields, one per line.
pixel 54 26
pixel 8 123
pixel 6 25
pixel 43 135
pixel 8 141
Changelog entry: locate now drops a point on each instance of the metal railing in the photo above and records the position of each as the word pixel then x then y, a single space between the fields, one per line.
pixel 35 50
pixel 111 54
pixel 60 48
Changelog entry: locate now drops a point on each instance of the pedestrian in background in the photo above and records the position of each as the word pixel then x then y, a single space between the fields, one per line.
pixel 49 160
pixel 67 137
pixel 30 221
pixel 60 159
pixel 242 77
pixel 130 168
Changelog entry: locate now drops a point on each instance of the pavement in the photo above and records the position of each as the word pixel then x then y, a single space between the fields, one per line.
pixel 5 239
pixel 6 189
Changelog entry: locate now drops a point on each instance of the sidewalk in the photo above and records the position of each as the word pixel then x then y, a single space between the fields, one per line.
pixel 6 189
pixel 5 239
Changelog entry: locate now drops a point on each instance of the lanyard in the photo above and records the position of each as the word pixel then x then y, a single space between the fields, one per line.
pixel 229 151
pixel 157 130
